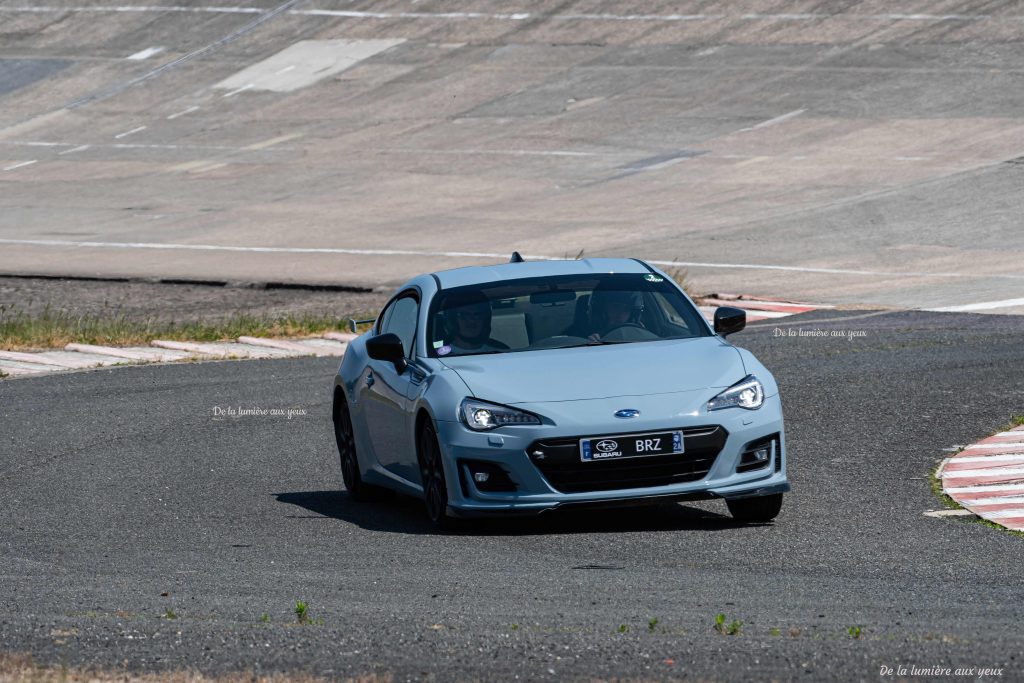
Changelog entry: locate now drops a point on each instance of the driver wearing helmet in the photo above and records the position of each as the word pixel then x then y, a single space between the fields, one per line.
pixel 610 309
pixel 467 322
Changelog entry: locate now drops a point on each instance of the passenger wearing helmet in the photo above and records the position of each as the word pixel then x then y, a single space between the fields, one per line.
pixel 467 324
pixel 611 309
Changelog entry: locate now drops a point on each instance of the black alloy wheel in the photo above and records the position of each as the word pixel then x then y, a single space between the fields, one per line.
pixel 347 450
pixel 435 490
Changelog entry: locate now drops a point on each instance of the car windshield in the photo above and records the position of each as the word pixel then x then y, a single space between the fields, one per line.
pixel 560 312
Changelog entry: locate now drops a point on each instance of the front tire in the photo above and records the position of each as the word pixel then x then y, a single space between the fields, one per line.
pixel 435 488
pixel 345 437
pixel 758 510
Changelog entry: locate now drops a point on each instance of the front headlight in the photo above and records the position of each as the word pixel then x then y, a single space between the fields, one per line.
pixel 481 416
pixel 747 393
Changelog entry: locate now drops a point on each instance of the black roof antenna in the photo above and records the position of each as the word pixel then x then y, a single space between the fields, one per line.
pixel 516 258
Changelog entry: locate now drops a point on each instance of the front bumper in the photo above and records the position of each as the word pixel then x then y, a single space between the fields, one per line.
pixel 506 449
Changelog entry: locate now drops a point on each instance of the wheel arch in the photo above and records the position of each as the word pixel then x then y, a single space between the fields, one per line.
pixel 423 416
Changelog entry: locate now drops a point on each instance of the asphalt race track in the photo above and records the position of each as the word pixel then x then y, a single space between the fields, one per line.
pixel 835 152
pixel 119 486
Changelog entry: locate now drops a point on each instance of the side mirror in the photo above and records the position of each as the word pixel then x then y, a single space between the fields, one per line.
pixel 387 347
pixel 729 320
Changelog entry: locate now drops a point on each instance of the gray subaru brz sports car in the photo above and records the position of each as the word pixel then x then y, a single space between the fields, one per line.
pixel 530 386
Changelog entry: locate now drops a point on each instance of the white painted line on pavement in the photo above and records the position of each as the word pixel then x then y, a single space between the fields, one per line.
pixel 784 304
pixel 522 16
pixel 129 132
pixel 993 472
pixel 986 488
pixel 271 142
pixel 982 306
pixel 212 166
pixel 22 164
pixel 1005 457
pixel 1001 514
pixel 183 112
pixel 144 145
pixel 133 8
pixel 759 313
pixel 238 90
pixel 472 254
pixel 145 54
pixel 1014 433
pixel 990 446
pixel 777 119
pixel 994 500
pixel 508 152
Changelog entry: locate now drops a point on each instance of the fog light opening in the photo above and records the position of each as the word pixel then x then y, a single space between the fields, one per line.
pixel 759 454
pixel 487 477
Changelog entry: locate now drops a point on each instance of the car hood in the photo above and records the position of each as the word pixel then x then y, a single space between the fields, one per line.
pixel 592 372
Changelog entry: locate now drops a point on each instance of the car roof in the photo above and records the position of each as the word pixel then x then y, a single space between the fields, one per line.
pixel 475 275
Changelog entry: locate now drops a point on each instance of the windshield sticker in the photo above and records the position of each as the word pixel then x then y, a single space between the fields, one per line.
pixel 651 277
pixel 438 344
pixel 444 350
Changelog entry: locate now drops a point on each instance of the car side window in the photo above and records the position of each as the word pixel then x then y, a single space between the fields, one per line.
pixel 400 318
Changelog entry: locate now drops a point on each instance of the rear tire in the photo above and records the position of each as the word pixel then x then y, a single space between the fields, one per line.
pixel 345 437
pixel 435 488
pixel 759 510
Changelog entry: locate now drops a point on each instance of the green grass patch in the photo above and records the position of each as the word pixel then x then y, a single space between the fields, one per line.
pixel 936 484
pixel 1015 421
pixel 733 628
pixel 54 328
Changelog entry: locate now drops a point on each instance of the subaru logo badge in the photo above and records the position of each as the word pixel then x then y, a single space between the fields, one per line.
pixel 607 445
pixel 627 412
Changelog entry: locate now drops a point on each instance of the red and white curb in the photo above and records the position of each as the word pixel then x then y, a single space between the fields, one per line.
pixel 987 478
pixel 83 356
pixel 757 308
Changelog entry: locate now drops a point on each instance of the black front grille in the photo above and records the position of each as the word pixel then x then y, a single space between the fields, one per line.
pixel 559 461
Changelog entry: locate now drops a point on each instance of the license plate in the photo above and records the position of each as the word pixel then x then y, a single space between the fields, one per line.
pixel 631 446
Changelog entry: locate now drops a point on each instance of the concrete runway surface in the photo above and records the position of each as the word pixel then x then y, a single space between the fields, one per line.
pixel 123 496
pixel 836 152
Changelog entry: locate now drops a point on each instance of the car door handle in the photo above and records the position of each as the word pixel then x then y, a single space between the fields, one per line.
pixel 369 378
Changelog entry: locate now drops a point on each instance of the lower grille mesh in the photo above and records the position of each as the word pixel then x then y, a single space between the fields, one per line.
pixel 559 462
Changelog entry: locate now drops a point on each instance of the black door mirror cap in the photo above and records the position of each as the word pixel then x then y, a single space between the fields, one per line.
pixel 387 347
pixel 729 320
